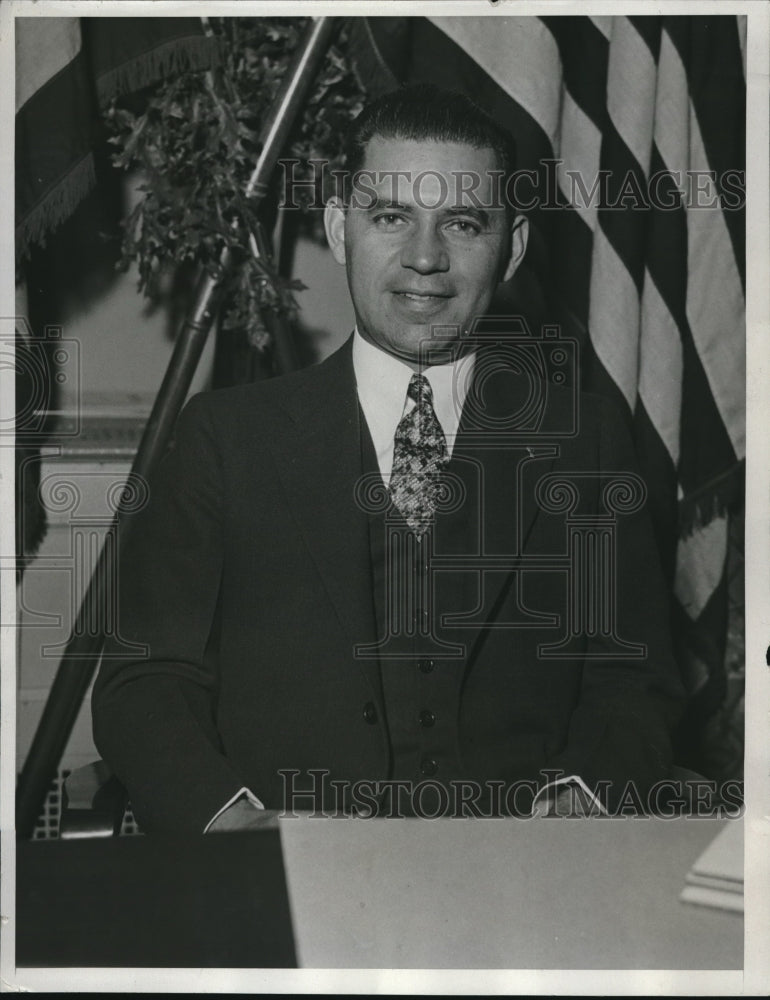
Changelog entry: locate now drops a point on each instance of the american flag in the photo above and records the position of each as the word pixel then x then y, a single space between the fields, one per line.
pixel 636 129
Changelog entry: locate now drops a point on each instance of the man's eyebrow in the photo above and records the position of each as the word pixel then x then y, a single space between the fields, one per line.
pixel 385 204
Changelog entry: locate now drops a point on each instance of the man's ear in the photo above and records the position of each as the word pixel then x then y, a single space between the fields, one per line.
pixel 334 224
pixel 519 237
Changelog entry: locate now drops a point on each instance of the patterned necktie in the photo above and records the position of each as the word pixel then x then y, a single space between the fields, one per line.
pixel 419 456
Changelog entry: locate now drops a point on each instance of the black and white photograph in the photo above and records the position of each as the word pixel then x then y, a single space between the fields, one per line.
pixel 386 497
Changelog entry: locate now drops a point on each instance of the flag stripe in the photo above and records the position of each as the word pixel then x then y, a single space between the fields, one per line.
pixel 712 317
pixel 44 46
pixel 572 264
pixel 705 449
pixel 661 355
pixel 705 261
pixel 613 318
pixel 649 30
pixel 661 368
pixel 497 43
pixel 672 112
pixel 660 476
pixel 700 565
pixel 583 50
pixel 439 60
pixel 625 217
pixel 710 52
pixel 631 87
pixel 668 265
pixel 597 379
pixel 604 25
pixel 704 455
pixel 580 153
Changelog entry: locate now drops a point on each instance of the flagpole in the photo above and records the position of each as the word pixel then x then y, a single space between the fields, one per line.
pixel 81 655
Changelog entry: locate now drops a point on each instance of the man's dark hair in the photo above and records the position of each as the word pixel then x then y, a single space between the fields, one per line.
pixel 425 112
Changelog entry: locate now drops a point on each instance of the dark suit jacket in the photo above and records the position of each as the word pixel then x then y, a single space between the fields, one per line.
pixel 249 579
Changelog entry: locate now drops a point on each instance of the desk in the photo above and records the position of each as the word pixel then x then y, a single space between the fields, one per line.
pixel 543 893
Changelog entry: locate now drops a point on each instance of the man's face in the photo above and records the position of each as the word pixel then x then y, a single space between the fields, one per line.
pixel 418 251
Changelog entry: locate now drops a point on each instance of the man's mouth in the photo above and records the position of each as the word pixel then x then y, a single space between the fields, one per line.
pixel 416 296
pixel 422 302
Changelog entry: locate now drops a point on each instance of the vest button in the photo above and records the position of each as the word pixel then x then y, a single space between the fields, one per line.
pixel 428 766
pixel 426 666
pixel 370 713
pixel 427 718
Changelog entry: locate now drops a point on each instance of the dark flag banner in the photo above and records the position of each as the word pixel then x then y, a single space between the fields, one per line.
pixel 66 69
pixel 631 138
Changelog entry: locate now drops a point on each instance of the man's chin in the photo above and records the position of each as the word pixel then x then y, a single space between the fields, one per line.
pixel 431 343
pixel 418 344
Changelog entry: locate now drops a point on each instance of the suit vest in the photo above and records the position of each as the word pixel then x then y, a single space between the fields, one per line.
pixel 422 664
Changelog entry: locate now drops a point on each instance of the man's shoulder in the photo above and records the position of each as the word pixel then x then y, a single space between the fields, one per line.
pixel 509 390
pixel 272 395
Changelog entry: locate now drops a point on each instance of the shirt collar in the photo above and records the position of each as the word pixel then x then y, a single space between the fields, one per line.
pixel 382 381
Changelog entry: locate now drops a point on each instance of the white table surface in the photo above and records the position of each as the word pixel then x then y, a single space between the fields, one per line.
pixel 543 893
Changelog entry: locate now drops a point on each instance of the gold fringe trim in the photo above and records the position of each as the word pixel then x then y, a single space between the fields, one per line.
pixel 55 207
pixel 175 56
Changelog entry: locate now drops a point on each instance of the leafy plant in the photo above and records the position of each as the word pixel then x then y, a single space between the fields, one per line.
pixel 196 144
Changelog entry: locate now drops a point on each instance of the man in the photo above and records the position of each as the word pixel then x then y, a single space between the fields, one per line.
pixel 350 576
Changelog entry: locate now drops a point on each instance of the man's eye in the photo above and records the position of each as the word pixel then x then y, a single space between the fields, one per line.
pixel 388 220
pixel 464 226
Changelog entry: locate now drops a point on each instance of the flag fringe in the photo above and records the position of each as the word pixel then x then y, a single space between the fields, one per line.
pixel 55 207
pixel 175 56
pixel 712 500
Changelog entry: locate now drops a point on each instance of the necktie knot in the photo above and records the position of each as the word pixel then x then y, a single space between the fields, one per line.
pixel 419 390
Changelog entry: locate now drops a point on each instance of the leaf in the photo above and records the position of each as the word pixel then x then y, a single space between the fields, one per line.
pixel 196 142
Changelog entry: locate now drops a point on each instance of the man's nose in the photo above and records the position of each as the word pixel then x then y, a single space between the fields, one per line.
pixel 425 251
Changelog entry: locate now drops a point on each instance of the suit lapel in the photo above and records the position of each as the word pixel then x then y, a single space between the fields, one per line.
pixel 319 462
pixel 499 462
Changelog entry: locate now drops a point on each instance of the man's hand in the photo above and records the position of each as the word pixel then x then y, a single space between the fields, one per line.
pixel 242 815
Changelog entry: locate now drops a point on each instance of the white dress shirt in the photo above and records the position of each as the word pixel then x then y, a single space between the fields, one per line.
pixel 382 381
